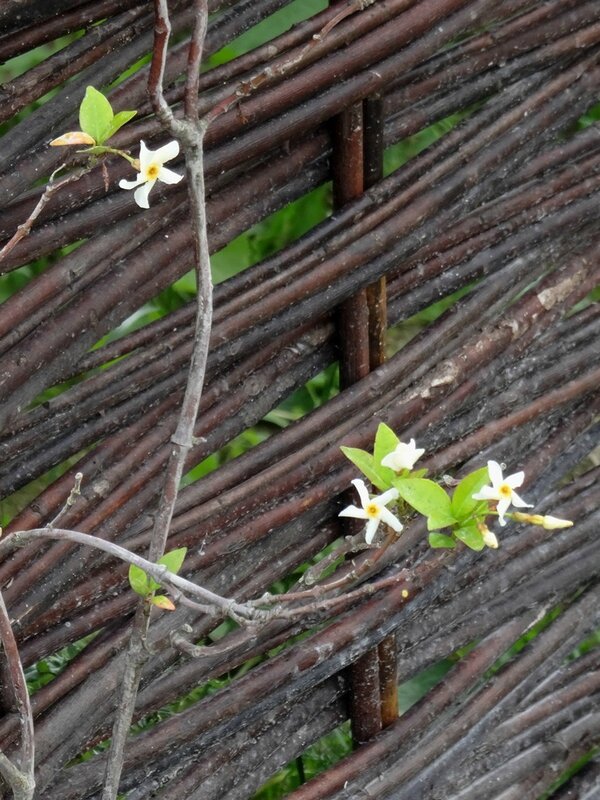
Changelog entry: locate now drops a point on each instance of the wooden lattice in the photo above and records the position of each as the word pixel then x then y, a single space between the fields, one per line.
pixel 504 206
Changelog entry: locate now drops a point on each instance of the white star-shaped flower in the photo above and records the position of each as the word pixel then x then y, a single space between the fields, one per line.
pixel 373 510
pixel 502 490
pixel 403 456
pixel 152 170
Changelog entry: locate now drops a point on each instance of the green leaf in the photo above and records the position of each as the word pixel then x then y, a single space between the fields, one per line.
pixel 366 464
pixel 385 442
pixel 95 115
pixel 463 504
pixel 471 536
pixel 173 560
pixel 119 119
pixel 428 499
pixel 441 540
pixel 139 581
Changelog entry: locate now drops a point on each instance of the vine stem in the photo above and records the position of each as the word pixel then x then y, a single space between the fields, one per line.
pixel 175 583
pixel 190 132
pixel 24 229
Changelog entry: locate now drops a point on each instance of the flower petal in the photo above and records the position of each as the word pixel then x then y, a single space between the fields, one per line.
pixel 168 176
pixel 390 519
pixel 371 530
pixel 145 157
pixel 362 491
pixel 141 195
pixel 519 502
pixel 486 493
pixel 417 451
pixel 131 184
pixel 403 456
pixel 495 473
pixel 389 460
pixel 502 509
pixel 387 497
pixel 166 152
pixel 515 480
pixel 353 511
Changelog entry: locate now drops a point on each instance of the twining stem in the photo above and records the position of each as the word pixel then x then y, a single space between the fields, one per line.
pixel 24 229
pixel 190 132
pixel 157 572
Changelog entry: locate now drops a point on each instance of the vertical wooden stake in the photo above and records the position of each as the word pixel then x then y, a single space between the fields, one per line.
pixel 357 163
pixel 377 303
pixel 373 172
pixel 353 336
pixel 388 680
pixel 353 313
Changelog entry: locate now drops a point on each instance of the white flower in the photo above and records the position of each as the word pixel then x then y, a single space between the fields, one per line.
pixel 403 457
pixel 502 490
pixel 152 170
pixel 373 509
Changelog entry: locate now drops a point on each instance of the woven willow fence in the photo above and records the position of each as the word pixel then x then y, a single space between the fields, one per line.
pixel 503 206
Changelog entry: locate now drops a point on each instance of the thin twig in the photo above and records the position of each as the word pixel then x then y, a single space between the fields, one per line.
pixel 191 134
pixel 70 501
pixel 157 572
pixel 246 87
pixel 24 229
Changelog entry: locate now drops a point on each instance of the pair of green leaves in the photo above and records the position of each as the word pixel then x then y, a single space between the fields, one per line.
pixel 97 118
pixel 425 496
pixel 145 586
pixel 457 512
pixel 464 510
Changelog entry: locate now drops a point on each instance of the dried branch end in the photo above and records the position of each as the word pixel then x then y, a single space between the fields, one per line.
pixel 70 501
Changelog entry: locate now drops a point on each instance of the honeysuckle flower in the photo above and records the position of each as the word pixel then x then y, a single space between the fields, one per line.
pixel 502 490
pixel 547 522
pixel 152 170
pixel 489 538
pixel 373 510
pixel 403 456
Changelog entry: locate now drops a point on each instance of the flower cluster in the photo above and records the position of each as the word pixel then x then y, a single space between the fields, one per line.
pixel 462 517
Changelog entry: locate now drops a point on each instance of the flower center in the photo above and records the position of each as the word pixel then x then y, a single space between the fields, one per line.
pixel 505 491
pixel 372 510
pixel 152 172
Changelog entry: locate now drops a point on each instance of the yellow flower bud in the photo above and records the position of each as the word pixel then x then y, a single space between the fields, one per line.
pixel 547 522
